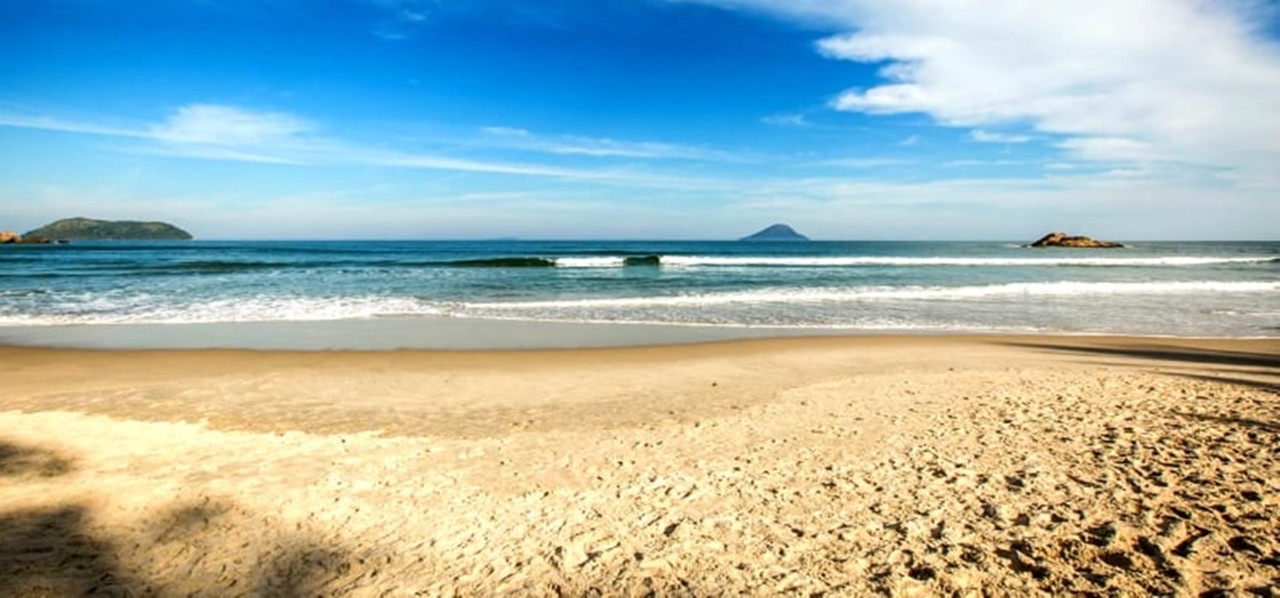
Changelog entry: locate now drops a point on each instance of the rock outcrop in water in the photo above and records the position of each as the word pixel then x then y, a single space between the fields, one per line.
pixel 9 237
pixel 88 229
pixel 1062 240
pixel 776 232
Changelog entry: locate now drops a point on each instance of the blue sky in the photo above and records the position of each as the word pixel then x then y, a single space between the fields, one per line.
pixel 849 119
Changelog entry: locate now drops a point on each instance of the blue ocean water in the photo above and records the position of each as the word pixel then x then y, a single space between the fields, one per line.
pixel 1229 289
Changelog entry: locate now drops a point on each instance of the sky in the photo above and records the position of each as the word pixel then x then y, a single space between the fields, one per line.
pixel 645 119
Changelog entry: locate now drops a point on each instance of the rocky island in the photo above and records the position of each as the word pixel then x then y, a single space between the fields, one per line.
pixel 776 232
pixel 89 229
pixel 1063 240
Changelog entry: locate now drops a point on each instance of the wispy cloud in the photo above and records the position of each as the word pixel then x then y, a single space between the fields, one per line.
pixel 402 20
pixel 786 120
pixel 210 152
pixel 48 123
pixel 193 124
pixel 230 133
pixel 989 137
pixel 371 157
pixel 506 132
pixel 390 32
pixel 983 163
pixel 1145 80
pixel 876 162
pixel 523 139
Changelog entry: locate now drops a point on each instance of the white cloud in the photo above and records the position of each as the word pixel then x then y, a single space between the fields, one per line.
pixel 990 137
pixel 1190 81
pixel 215 124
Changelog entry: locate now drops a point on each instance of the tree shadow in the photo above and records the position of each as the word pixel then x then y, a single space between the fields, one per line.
pixel 1194 355
pixel 1238 368
pixel 21 462
pixel 1246 422
pixel 286 564
pixel 1235 380
pixel 206 546
pixel 46 552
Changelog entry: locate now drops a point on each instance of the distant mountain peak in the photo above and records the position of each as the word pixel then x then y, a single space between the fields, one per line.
pixel 776 232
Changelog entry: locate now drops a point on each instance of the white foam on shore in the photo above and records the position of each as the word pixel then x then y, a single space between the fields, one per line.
pixel 817 295
pixel 134 309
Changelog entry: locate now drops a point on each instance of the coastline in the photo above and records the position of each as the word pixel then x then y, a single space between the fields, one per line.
pixel 845 465
pixel 441 295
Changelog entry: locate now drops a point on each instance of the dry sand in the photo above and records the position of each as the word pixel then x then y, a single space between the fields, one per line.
pixel 905 465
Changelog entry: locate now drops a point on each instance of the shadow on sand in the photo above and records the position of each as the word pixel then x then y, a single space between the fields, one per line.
pixel 54 550
pixel 23 462
pixel 1254 370
pixel 1169 353
pixel 1243 368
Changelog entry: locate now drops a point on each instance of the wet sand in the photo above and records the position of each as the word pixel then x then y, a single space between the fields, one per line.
pixel 839 466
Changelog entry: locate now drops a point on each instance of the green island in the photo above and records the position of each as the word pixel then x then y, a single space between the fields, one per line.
pixel 89 229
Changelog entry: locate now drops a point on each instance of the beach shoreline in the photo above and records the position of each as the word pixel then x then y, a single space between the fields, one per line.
pixel 839 465
pixel 434 333
pixel 427 333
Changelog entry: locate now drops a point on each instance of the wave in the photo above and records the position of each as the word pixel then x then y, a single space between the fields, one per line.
pixel 612 261
pixel 620 260
pixel 157 308
pixel 836 261
pixel 639 259
pixel 819 295
pixel 505 262
pixel 216 266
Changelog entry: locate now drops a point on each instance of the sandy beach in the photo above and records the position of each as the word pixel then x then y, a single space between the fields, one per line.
pixel 826 466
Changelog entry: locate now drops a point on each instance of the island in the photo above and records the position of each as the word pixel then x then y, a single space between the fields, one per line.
pixel 89 229
pixel 776 232
pixel 1063 240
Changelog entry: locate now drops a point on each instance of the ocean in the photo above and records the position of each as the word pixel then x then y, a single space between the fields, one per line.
pixel 1194 289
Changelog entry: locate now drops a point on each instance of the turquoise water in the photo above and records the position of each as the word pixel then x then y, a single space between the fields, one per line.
pixel 1157 288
